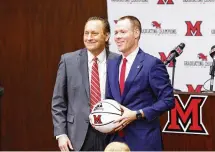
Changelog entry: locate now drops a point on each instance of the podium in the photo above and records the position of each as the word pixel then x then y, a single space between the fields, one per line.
pixel 190 126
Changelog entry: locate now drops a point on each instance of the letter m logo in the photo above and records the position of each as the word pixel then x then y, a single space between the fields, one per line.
pixel 97 119
pixel 193 30
pixel 197 89
pixel 163 58
pixel 187 118
pixel 165 2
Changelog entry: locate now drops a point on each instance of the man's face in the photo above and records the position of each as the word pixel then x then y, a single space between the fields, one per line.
pixel 94 36
pixel 125 36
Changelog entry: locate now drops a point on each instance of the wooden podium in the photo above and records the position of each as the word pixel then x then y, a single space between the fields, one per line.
pixel 191 124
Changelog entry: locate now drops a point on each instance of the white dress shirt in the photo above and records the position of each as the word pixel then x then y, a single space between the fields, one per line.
pixel 130 59
pixel 102 70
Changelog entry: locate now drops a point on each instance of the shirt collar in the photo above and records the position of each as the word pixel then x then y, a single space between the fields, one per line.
pixel 131 57
pixel 101 57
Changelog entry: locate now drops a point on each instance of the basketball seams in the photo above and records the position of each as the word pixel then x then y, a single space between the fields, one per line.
pixel 104 116
pixel 111 104
pixel 106 112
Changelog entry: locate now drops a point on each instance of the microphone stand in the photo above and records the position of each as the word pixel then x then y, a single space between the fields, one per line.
pixel 212 70
pixel 173 71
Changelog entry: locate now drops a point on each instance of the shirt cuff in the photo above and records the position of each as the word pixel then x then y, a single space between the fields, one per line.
pixel 60 136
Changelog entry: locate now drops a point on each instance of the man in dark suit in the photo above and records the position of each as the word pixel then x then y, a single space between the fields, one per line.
pixel 140 83
pixel 80 84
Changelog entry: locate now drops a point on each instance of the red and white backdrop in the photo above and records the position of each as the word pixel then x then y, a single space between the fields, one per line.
pixel 166 24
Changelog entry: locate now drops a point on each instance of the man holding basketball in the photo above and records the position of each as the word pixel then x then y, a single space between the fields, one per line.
pixel 80 84
pixel 140 83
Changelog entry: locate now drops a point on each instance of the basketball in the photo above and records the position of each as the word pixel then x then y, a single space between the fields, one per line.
pixel 104 114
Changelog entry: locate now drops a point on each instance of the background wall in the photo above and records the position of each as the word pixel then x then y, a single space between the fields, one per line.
pixel 33 35
pixel 166 24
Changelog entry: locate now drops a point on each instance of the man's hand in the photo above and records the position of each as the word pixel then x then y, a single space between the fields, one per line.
pixel 63 143
pixel 127 117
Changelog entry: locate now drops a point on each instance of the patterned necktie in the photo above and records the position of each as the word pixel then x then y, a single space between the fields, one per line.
pixel 95 94
pixel 122 76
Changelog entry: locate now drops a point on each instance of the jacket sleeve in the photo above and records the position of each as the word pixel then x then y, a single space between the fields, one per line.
pixel 59 100
pixel 162 88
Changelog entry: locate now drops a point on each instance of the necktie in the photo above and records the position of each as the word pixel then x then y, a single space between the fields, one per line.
pixel 122 76
pixel 122 85
pixel 95 94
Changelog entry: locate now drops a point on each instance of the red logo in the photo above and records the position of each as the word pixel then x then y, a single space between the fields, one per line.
pixel 165 2
pixel 202 57
pixel 193 30
pixel 97 119
pixel 197 89
pixel 187 119
pixel 156 24
pixel 163 58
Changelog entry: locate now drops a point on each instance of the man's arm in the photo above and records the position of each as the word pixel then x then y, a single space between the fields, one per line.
pixel 59 100
pixel 162 88
pixel 59 108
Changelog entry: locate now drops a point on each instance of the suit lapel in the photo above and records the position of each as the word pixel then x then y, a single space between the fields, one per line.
pixel 135 69
pixel 115 77
pixel 84 70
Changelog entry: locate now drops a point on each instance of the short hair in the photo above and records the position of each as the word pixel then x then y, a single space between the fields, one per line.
pixel 117 147
pixel 134 21
pixel 104 21
pixel 106 27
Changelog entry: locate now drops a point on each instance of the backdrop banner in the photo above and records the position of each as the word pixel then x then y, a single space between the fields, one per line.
pixel 166 24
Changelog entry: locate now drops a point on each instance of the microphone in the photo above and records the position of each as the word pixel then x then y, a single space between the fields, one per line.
pixel 212 52
pixel 212 67
pixel 175 53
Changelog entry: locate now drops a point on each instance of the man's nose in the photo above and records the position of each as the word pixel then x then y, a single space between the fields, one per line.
pixel 118 35
pixel 89 36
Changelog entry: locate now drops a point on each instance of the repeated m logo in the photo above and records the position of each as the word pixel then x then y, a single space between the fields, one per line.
pixel 165 2
pixel 193 30
pixel 163 58
pixel 190 88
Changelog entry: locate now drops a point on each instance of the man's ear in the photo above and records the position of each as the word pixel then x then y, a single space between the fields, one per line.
pixel 107 37
pixel 136 33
